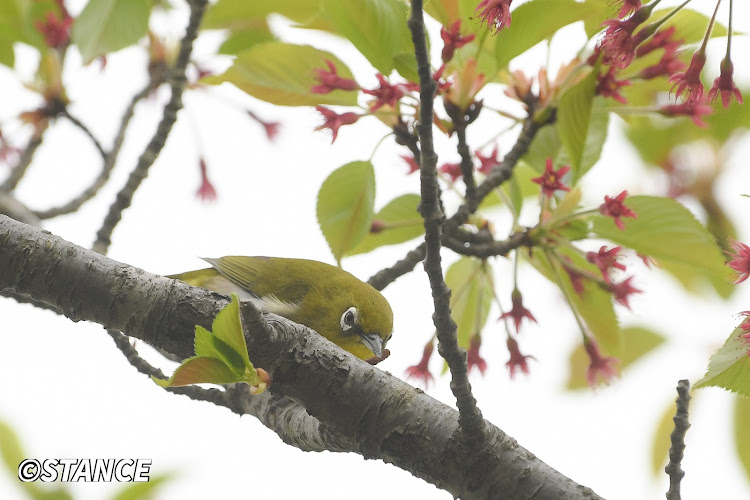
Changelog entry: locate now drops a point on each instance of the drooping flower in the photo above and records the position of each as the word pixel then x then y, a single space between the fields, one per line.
pixel 724 85
pixel 330 80
pixel 551 180
pixel 745 325
pixel 495 12
pixel 740 261
pixel 488 162
pixel 668 65
pixel 421 370
pixel 662 39
pixel 627 7
pixel 623 290
pixel 473 359
pixel 206 191
pixel 517 360
pixel 412 162
pixel 609 86
pixel 619 43
pixel 518 311
pixel 453 170
pixel 615 208
pixel 334 121
pixel 577 279
pixel 601 368
pixel 605 260
pixel 385 94
pixel 453 40
pixel 695 112
pixel 689 81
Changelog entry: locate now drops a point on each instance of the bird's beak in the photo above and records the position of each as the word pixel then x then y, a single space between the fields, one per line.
pixel 374 342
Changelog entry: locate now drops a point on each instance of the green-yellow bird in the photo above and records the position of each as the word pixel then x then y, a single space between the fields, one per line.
pixel 345 310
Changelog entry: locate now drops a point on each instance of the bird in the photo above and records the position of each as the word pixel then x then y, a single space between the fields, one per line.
pixel 337 305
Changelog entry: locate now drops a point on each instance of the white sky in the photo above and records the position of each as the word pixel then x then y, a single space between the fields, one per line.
pixel 68 392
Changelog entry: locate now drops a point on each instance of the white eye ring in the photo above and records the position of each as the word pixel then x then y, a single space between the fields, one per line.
pixel 349 318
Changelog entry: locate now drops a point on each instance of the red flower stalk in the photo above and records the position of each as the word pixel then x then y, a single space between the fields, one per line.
pixel 495 12
pixel 518 311
pixel 605 260
pixel 334 121
pixel 609 86
pixel 453 40
pixel 421 371
pixel 690 80
pixel 623 290
pixel 412 162
pixel 385 94
pixel 206 191
pixel 488 162
pixel 615 208
pixel 473 359
pixel 56 30
pixel 517 360
pixel 271 128
pixel 601 367
pixel 330 80
pixel 724 85
pixel 627 7
pixel 551 180
pixel 453 170
pixel 740 261
pixel 694 111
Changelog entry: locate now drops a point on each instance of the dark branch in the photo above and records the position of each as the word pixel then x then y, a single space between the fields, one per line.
pixel 23 164
pixel 110 159
pixel 677 450
pixel 75 121
pixel 178 81
pixel 470 418
pixel 488 249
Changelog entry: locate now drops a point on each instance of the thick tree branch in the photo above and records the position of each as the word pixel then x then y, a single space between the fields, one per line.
pixel 677 449
pixel 358 407
pixel 470 418
pixel 178 82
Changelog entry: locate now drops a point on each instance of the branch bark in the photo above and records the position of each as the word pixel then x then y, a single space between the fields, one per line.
pixel 348 404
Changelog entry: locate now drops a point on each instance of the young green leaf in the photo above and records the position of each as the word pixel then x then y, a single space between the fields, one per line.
pixel 573 123
pixel 472 289
pixel 142 491
pixel 398 222
pixel 345 206
pixel 666 231
pixel 689 25
pixel 283 73
pixel 742 431
pixel 106 26
pixel 227 327
pixel 729 367
pixel 199 370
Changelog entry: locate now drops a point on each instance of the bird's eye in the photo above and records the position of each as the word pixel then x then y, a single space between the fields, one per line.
pixel 349 318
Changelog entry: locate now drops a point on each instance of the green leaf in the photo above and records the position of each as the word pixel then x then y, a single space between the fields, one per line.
pixel 636 343
pixel 200 370
pixel 601 10
pixel 283 73
pixel 345 206
pixel 243 40
pixel 594 306
pixel 689 25
pixel 742 431
pixel 377 28
pixel 666 231
pixel 546 144
pixel 661 440
pixel 573 119
pixel 241 15
pixel 210 346
pixel 227 327
pixel 729 367
pixel 401 222
pixel 536 21
pixel 143 491
pixel 106 26
pixel 472 289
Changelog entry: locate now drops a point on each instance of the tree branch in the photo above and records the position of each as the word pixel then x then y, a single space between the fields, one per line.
pixel 78 123
pixel 178 81
pixel 23 164
pixel 676 451
pixel 470 418
pixel 358 407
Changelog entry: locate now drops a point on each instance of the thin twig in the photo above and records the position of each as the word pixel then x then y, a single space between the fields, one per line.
pixel 178 82
pixel 470 417
pixel 487 249
pixel 23 164
pixel 78 123
pixel 677 450
pixel 110 159
pixel 467 164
